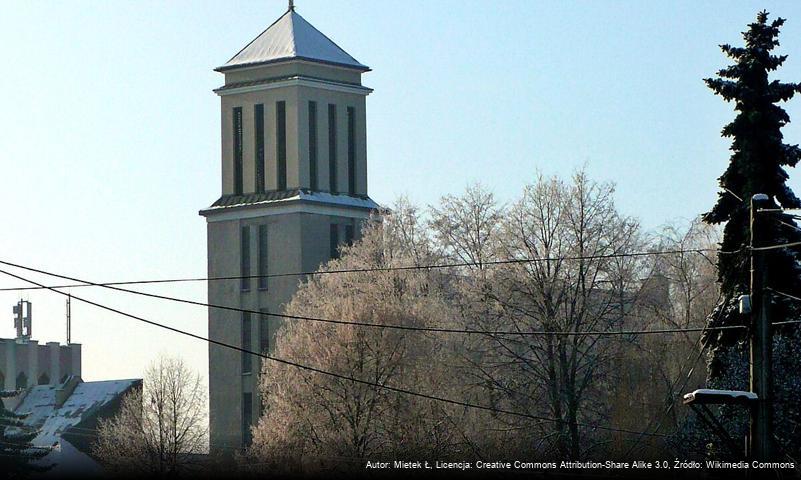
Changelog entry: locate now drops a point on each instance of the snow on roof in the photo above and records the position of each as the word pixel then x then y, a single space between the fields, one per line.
pixel 232 201
pixel 291 37
pixel 729 393
pixel 85 401
pixel 337 199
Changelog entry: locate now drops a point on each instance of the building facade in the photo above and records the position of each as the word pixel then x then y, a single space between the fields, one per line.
pixel 294 188
pixel 24 363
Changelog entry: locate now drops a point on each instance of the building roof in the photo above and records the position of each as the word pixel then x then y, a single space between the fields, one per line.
pixel 80 410
pixel 291 37
pixel 286 196
pixel 53 421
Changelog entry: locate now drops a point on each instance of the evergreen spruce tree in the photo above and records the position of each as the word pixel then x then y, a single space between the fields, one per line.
pixel 17 454
pixel 757 165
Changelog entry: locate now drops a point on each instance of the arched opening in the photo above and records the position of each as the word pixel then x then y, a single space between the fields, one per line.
pixel 2 381
pixel 44 379
pixel 22 381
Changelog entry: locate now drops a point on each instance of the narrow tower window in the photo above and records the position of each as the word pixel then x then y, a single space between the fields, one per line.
pixel 280 125
pixel 332 148
pixel 258 121
pixel 351 150
pixel 244 267
pixel 247 359
pixel 349 235
pixel 313 146
pixel 263 257
pixel 247 418
pixel 333 241
pixel 265 333
pixel 237 150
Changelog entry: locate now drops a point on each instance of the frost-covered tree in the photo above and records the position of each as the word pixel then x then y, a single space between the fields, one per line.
pixel 683 285
pixel 159 428
pixel 314 423
pixel 17 454
pixel 585 286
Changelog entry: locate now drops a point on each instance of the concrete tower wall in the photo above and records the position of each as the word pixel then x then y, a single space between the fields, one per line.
pixel 284 228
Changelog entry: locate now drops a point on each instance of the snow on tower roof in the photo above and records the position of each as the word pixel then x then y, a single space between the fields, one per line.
pixel 291 37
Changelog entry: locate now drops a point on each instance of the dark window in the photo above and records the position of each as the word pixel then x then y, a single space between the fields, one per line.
pixel 44 379
pixel 22 381
pixel 237 150
pixel 258 121
pixel 313 184
pixel 263 257
pixel 247 344
pixel 244 267
pixel 351 150
pixel 332 148
pixel 348 234
pixel 247 418
pixel 280 126
pixel 266 333
pixel 333 240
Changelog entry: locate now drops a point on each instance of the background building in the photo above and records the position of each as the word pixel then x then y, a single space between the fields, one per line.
pixel 294 188
pixel 67 417
pixel 24 362
pixel 57 403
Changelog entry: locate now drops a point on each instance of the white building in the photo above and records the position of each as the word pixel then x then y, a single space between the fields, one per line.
pixel 24 362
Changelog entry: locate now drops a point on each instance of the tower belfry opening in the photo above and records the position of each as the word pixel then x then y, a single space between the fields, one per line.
pixel 293 188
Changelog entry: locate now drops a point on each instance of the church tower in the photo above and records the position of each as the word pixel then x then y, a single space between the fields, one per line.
pixel 294 188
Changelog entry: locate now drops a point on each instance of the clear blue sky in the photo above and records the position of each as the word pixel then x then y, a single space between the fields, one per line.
pixel 109 130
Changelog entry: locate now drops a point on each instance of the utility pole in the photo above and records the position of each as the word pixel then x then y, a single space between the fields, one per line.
pixel 760 439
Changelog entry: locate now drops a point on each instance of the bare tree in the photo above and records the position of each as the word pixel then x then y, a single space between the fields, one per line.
pixel 312 422
pixel 680 293
pixel 583 283
pixel 571 272
pixel 691 275
pixel 157 430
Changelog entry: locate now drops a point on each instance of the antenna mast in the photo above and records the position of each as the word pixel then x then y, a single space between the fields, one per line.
pixel 69 319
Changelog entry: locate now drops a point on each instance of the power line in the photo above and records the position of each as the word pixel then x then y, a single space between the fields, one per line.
pixel 703 342
pixel 733 194
pixel 775 247
pixel 379 325
pixel 791 297
pixel 789 225
pixel 383 269
pixel 325 372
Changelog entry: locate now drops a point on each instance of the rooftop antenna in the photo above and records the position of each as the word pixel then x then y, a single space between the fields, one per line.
pixel 291 5
pixel 23 319
pixel 69 319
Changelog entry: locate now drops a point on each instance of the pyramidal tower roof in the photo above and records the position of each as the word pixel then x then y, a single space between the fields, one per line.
pixel 291 37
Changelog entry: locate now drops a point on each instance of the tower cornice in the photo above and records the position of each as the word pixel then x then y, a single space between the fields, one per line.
pixel 292 81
